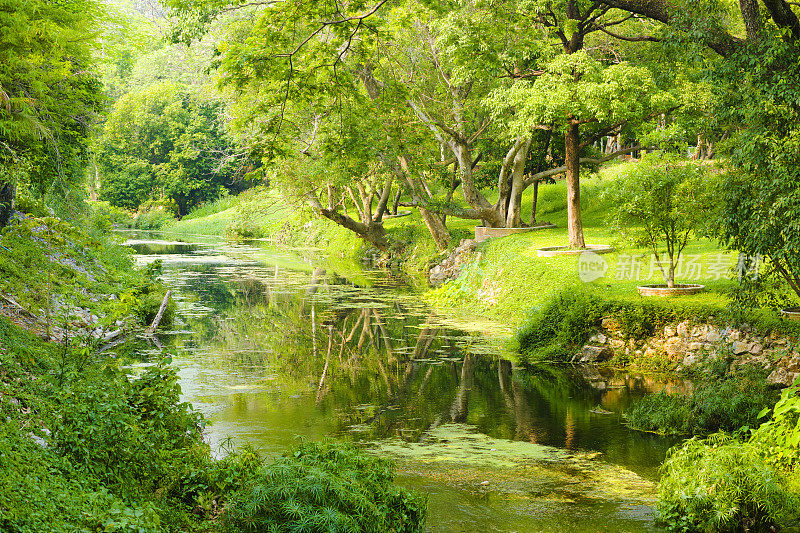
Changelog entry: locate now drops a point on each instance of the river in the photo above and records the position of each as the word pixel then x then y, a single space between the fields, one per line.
pixel 273 346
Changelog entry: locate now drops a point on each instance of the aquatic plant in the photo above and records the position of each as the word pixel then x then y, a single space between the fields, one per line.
pixel 725 403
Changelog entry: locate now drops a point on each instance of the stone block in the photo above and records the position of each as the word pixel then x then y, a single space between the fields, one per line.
pixel 690 360
pixel 781 377
pixel 594 354
pixel 740 347
pixel 611 324
pixel 713 335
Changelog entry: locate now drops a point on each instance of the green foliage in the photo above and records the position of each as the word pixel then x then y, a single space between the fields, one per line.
pixel 663 201
pixel 661 413
pixel 722 484
pixel 566 321
pixel 718 403
pixel 148 301
pixel 325 487
pixel 779 437
pixel 69 265
pixel 761 198
pixel 579 86
pixel 103 217
pixel 154 219
pixel 163 142
pixel 84 445
pixel 124 431
pixel 49 96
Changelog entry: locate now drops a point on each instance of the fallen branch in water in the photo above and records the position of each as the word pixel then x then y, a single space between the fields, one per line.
pixel 160 315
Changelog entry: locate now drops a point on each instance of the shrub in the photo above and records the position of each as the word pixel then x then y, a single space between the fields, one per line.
pixel 722 484
pixel 780 436
pixel 566 321
pixel 325 487
pixel 728 404
pixel 152 220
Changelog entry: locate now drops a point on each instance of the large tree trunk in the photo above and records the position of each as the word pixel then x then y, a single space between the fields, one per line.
pixel 514 214
pixel 437 228
pixel 574 223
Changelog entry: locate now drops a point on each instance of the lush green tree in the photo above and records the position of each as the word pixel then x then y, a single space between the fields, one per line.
pixel 429 86
pixel 164 142
pixel 49 96
pixel 761 206
pixel 664 200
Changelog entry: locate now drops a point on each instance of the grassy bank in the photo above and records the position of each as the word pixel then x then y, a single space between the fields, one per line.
pixel 509 280
pixel 89 444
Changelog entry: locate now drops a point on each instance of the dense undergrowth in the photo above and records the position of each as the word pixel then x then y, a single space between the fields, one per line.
pixel 749 481
pixel 723 399
pixel 88 444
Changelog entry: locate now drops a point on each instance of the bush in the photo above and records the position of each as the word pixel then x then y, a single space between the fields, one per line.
pixel 152 220
pixel 722 484
pixel 565 322
pixel 325 487
pixel 780 436
pixel 729 404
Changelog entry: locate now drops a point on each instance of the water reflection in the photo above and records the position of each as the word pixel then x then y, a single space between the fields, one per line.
pixel 272 349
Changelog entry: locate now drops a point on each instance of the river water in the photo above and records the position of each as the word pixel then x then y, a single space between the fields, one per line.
pixel 274 346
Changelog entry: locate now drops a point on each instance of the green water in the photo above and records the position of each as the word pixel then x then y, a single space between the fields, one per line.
pixel 274 346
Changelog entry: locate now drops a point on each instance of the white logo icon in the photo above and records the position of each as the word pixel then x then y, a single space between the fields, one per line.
pixel 591 266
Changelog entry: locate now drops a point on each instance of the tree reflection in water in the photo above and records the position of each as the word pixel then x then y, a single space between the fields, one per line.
pixel 378 364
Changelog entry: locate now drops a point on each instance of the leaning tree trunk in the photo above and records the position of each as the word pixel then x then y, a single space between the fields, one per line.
pixel 370 230
pixel 574 223
pixel 437 228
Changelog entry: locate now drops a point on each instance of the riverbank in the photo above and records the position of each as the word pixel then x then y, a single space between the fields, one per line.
pixel 95 440
pixel 503 278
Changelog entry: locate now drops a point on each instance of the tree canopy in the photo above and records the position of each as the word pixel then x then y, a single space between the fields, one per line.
pixel 164 142
pixel 49 94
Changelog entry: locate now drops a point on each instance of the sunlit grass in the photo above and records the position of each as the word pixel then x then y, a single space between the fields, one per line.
pixel 510 279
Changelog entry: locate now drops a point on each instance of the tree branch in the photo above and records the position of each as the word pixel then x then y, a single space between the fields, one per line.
pixel 583 161
pixel 638 38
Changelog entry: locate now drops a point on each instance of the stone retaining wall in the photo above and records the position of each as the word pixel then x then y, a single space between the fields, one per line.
pixel 686 345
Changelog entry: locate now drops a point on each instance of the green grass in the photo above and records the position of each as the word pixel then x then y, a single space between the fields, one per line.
pixel 510 279
pixel 255 213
